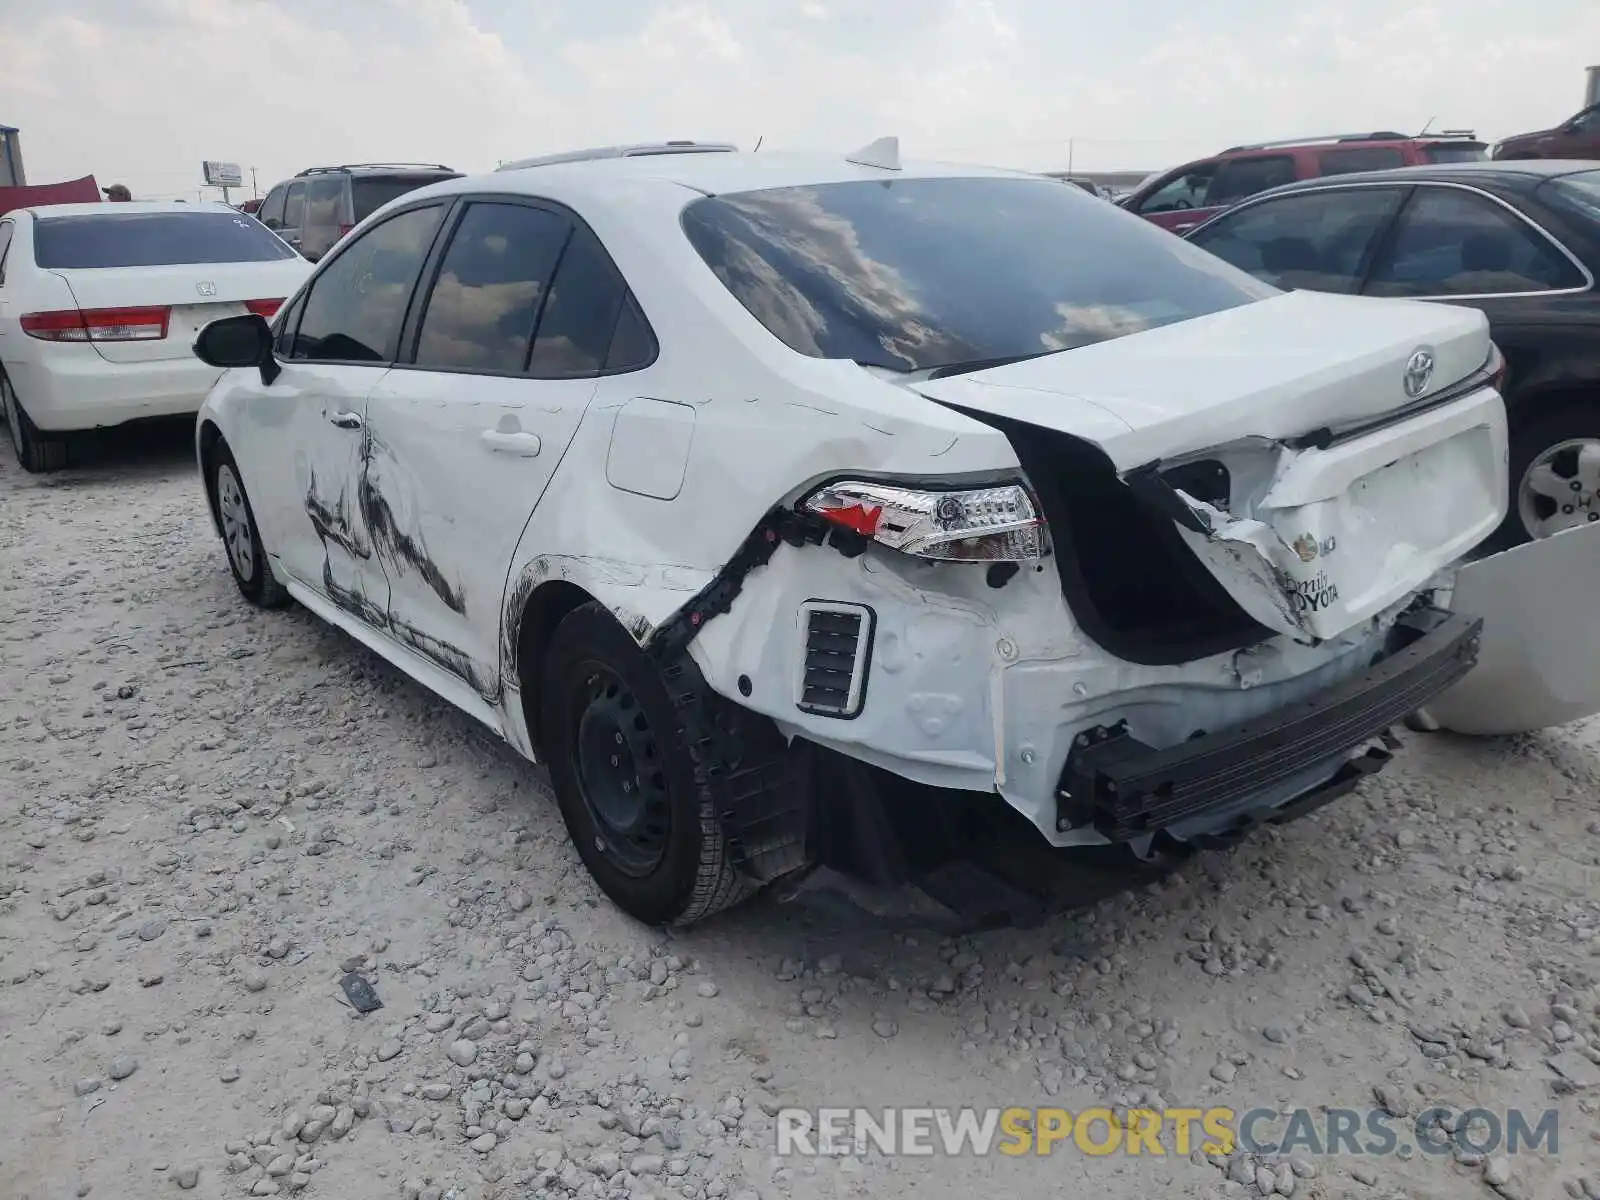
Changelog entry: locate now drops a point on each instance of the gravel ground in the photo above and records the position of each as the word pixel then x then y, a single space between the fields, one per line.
pixel 209 815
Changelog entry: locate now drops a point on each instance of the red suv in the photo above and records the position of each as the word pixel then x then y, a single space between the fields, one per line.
pixel 1578 137
pixel 1182 198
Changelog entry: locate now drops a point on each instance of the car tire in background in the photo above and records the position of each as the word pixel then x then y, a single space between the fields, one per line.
pixel 629 761
pixel 241 537
pixel 36 452
pixel 1552 441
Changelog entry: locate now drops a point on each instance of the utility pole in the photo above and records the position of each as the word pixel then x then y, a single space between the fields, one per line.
pixel 1069 156
pixel 255 192
pixel 225 199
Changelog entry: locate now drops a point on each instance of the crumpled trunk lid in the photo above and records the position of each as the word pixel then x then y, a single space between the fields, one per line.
pixel 1359 446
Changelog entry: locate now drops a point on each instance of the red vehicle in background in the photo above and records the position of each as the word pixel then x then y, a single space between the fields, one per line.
pixel 1184 197
pixel 1576 137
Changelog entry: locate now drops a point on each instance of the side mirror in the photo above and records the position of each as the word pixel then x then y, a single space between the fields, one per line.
pixel 244 341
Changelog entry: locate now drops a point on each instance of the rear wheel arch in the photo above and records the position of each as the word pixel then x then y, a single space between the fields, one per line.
pixel 545 608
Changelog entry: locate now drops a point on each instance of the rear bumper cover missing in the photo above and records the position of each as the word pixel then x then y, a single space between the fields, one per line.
pixel 1126 789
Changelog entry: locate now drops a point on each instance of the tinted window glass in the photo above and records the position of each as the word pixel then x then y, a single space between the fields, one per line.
pixel 918 273
pixel 481 312
pixel 1587 121
pixel 1185 190
pixel 369 193
pixel 153 239
pixel 285 325
pixel 1577 193
pixel 294 206
pixel 575 331
pixel 271 212
pixel 322 200
pixel 1459 152
pixel 632 344
pixel 1317 240
pixel 1373 158
pixel 6 228
pixel 357 305
pixel 1453 243
pixel 1239 178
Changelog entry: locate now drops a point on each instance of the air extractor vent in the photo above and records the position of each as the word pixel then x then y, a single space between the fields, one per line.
pixel 833 668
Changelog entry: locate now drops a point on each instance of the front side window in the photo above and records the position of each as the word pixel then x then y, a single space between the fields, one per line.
pixel 271 212
pixel 358 302
pixel 1450 242
pixel 1314 240
pixel 1183 191
pixel 483 307
pixel 1587 121
pixel 152 239
pixel 294 206
pixel 1240 178
pixel 914 274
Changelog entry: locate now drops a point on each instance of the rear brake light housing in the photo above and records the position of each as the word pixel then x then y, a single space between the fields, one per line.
pixel 264 308
pixel 999 523
pixel 144 324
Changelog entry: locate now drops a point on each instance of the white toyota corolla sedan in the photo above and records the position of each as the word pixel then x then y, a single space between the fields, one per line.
pixel 805 510
pixel 99 305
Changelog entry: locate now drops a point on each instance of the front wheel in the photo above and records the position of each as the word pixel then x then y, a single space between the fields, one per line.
pixel 634 774
pixel 241 538
pixel 1555 475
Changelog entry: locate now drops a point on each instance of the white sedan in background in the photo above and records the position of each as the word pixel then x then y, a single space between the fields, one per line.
pixel 99 304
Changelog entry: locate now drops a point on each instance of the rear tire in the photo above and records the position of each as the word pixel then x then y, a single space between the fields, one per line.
pixel 241 538
pixel 632 761
pixel 36 452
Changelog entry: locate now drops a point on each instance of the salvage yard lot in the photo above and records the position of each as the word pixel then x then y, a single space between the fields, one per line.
pixel 208 814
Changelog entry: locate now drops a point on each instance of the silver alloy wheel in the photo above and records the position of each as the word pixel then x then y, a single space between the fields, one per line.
pixel 235 523
pixel 1561 488
pixel 8 399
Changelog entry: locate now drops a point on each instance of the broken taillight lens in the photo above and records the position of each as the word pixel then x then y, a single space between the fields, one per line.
pixel 972 525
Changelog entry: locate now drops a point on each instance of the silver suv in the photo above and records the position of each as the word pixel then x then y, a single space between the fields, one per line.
pixel 320 205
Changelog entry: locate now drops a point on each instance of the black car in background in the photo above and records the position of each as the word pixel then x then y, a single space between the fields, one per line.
pixel 1519 240
pixel 320 205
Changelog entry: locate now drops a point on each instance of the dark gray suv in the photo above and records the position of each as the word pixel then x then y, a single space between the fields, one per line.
pixel 320 205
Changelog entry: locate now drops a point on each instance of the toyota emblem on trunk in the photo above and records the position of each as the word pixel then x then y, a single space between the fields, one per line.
pixel 206 288
pixel 1419 370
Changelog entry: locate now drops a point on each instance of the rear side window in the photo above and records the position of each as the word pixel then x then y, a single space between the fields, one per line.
pixel 358 303
pixel 294 206
pixel 633 345
pixel 1457 152
pixel 1451 242
pixel 581 314
pixel 322 200
pixel 484 305
pixel 152 239
pixel 913 274
pixel 1371 158
pixel 369 193
pixel 1315 240
pixel 1239 178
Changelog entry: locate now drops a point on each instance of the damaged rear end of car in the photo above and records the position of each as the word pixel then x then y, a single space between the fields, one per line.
pixel 1197 601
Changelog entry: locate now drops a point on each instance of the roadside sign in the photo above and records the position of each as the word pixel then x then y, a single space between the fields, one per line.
pixel 223 174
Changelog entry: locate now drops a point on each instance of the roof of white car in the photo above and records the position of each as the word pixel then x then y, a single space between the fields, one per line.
pixel 108 208
pixel 712 174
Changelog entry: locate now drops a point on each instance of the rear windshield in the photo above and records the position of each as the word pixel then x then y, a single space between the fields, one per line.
pixel 914 274
pixel 1460 152
pixel 157 239
pixel 1578 192
pixel 370 193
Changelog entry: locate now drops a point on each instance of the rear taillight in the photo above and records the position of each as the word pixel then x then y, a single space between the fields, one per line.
pixel 98 324
pixel 264 308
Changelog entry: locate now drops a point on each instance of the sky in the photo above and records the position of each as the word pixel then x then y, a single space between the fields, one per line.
pixel 142 91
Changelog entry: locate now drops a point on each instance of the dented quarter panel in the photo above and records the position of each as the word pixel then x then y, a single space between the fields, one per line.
pixel 982 688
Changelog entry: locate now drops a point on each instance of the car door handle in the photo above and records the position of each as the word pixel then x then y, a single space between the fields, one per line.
pixel 346 420
pixel 522 444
